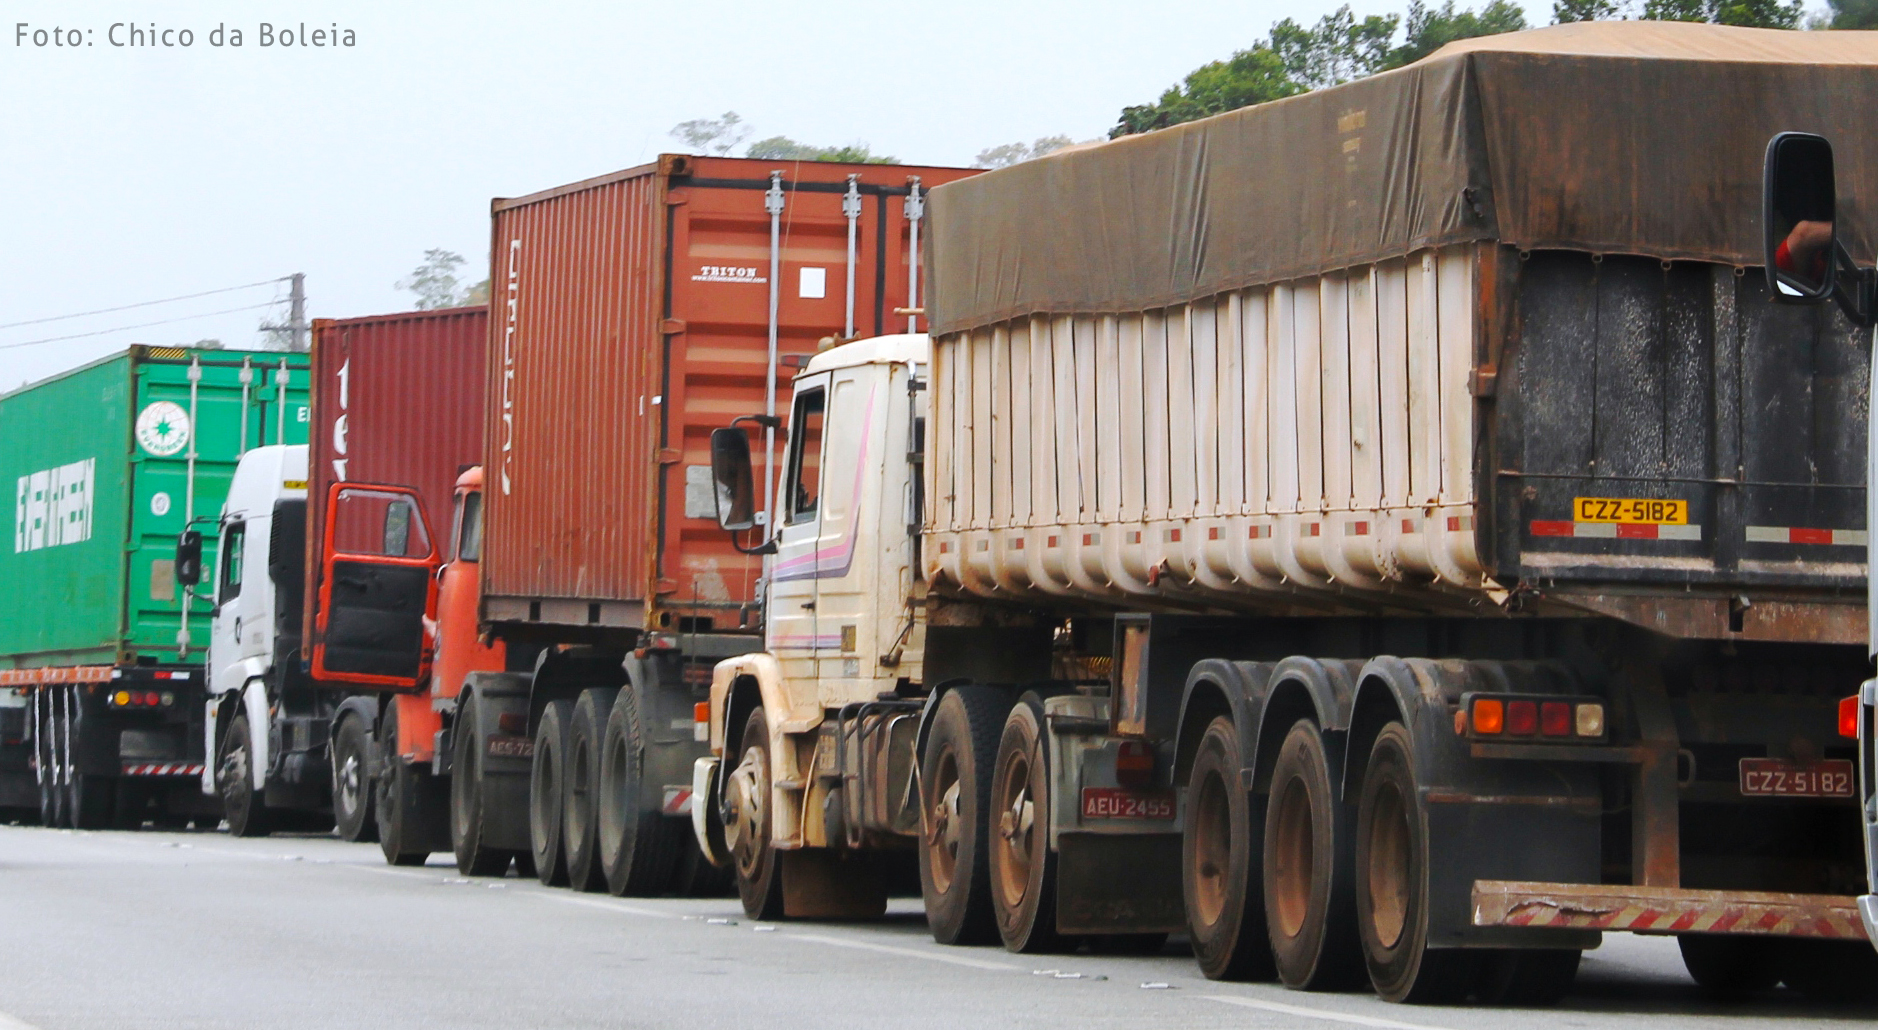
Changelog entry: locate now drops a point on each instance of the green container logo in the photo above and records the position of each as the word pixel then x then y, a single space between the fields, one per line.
pixel 163 428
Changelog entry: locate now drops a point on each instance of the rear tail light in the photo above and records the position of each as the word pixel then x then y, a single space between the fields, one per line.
pixel 1590 720
pixel 1489 715
pixel 701 712
pixel 514 724
pixel 1134 764
pixel 121 698
pixel 1848 716
pixel 1555 719
pixel 1522 718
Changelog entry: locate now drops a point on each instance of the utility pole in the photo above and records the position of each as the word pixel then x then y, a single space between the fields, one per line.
pixel 296 315
pixel 296 312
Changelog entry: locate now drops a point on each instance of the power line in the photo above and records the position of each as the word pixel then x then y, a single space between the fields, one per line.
pixel 144 325
pixel 143 304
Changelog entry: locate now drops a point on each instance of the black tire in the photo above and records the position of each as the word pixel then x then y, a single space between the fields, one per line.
pixel 1023 868
pixel 93 803
pixel 242 806
pixel 698 878
pixel 955 774
pixel 580 826
pixel 407 802
pixel 1529 977
pixel 353 809
pixel 1310 900
pixel 638 846
pixel 1729 968
pixel 753 859
pixel 1838 972
pixel 547 792
pixel 1392 883
pixel 1219 851
pixel 474 855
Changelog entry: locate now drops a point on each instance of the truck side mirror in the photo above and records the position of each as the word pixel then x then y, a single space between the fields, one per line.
pixel 189 558
pixel 735 486
pixel 1798 205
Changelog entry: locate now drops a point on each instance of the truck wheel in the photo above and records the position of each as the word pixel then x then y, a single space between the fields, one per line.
pixel 406 804
pixel 474 856
pixel 45 747
pixel 1729 968
pixel 244 809
pixel 1392 883
pixel 1310 912
pixel 955 773
pixel 747 823
pixel 638 845
pixel 1023 868
pixel 1840 972
pixel 546 792
pixel 1219 850
pixel 580 833
pixel 1532 977
pixel 352 782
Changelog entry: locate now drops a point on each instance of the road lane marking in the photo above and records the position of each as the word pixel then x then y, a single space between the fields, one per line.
pixel 606 906
pixel 1324 1014
pixel 9 1023
pixel 887 949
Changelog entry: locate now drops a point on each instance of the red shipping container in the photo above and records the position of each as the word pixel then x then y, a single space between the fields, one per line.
pixel 398 400
pixel 630 316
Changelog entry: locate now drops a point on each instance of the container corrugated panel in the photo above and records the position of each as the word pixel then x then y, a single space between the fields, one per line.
pixel 629 318
pixel 1438 433
pixel 397 399
pixel 97 463
pixel 1309 442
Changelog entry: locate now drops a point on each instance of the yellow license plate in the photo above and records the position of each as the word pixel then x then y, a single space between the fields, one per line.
pixel 1630 511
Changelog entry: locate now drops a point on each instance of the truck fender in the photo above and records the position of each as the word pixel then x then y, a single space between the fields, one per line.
pixel 254 702
pixel 1320 690
pixel 1390 688
pixel 765 671
pixel 1217 687
pixel 359 706
pixel 238 674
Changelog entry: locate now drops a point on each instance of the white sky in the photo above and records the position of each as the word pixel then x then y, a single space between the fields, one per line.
pixel 133 174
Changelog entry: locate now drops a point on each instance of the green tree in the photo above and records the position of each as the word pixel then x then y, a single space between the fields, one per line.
pixel 717 136
pixel 782 148
pixel 435 282
pixel 1017 153
pixel 1339 48
pixel 1429 29
pixel 1564 11
pixel 1853 14
pixel 1248 77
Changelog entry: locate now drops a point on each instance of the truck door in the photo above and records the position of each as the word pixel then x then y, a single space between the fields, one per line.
pixel 378 588
pixel 792 625
pixel 847 561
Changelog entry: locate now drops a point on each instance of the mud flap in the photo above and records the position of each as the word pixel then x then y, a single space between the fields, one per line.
pixel 507 759
pixel 1108 884
pixel 821 883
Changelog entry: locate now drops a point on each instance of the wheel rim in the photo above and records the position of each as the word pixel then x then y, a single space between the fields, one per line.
pixel 1016 821
pixel 748 799
pixel 1212 848
pixel 349 784
pixel 943 822
pixel 1388 872
pixel 1293 852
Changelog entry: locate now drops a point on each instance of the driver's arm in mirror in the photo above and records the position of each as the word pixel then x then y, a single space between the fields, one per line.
pixel 1804 252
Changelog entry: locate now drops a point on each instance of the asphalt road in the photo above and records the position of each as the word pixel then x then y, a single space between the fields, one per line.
pixel 171 930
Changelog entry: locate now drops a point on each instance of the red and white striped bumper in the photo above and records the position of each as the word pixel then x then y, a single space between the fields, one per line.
pixel 163 768
pixel 1579 906
pixel 1616 530
pixel 1799 535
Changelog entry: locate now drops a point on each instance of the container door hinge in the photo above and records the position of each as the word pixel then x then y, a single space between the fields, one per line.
pixel 670 456
pixel 676 197
pixel 1484 382
pixel 672 326
pixel 667 586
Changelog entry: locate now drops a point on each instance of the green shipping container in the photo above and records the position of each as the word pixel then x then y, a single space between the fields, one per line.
pixel 99 463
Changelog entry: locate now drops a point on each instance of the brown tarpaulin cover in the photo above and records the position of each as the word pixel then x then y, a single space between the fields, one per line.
pixel 1611 137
